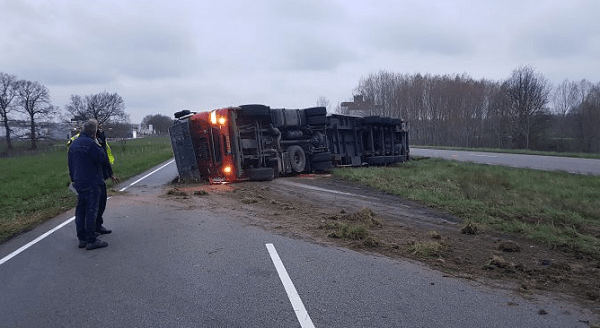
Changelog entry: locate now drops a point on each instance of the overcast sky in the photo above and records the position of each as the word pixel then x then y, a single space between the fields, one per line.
pixel 164 56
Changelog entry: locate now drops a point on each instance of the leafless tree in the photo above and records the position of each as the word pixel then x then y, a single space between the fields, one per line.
pixel 322 101
pixel 565 97
pixel 7 94
pixel 103 107
pixel 33 99
pixel 456 110
pixel 587 121
pixel 379 90
pixel 527 94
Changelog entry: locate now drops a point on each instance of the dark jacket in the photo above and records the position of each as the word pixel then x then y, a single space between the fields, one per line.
pixel 86 159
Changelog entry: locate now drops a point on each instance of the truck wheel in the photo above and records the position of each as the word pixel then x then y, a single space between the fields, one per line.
pixel 316 111
pixel 182 113
pixel 321 157
pixel 261 174
pixel 297 158
pixel 255 110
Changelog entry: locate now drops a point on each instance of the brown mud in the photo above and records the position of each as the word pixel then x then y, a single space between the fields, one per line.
pixel 326 210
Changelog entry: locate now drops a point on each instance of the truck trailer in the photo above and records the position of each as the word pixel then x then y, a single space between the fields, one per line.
pixel 256 142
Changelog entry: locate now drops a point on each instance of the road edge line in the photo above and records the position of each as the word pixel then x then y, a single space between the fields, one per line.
pixel 49 232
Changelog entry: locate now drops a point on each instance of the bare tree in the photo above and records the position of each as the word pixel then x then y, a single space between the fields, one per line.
pixel 33 99
pixel 379 90
pixel 7 94
pixel 566 96
pixel 527 93
pixel 587 120
pixel 322 101
pixel 103 107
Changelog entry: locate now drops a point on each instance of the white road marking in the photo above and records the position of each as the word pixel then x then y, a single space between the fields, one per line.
pixel 297 304
pixel 147 175
pixel 326 190
pixel 48 233
pixel 478 155
pixel 33 242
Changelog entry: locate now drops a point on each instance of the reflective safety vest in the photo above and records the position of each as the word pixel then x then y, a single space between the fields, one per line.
pixel 111 158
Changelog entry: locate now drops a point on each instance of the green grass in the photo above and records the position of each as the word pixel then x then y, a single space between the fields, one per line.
pixel 555 208
pixel 34 188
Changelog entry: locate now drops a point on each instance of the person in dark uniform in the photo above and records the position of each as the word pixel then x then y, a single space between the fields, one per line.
pixel 86 159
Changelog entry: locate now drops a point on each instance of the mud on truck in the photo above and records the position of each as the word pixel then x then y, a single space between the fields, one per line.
pixel 256 142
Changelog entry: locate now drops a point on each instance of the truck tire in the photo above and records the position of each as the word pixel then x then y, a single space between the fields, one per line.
pixel 182 113
pixel 316 111
pixel 255 110
pixel 316 120
pixel 297 158
pixel 261 174
pixel 320 157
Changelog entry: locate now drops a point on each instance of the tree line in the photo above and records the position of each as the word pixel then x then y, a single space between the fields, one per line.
pixel 523 111
pixel 20 98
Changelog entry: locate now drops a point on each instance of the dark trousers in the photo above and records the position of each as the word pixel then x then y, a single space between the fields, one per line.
pixel 101 206
pixel 86 212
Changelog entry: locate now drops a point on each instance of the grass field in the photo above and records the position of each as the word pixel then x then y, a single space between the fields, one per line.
pixel 556 208
pixel 33 188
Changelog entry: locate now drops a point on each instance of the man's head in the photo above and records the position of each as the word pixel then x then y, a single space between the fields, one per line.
pixel 90 127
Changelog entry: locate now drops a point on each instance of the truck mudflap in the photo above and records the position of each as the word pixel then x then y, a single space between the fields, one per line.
pixel 184 151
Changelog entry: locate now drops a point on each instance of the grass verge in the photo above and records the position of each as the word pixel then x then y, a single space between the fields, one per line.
pixel 33 188
pixel 556 208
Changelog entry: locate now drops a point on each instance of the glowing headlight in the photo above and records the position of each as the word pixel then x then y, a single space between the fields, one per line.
pixel 222 120
pixel 227 169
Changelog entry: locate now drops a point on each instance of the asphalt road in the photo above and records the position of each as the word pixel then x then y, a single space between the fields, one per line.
pixel 548 163
pixel 174 263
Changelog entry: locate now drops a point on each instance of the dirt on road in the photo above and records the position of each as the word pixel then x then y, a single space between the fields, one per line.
pixel 326 210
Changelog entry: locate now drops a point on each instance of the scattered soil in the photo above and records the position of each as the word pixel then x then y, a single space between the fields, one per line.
pixel 326 210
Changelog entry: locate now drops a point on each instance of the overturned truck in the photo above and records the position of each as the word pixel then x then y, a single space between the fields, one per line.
pixel 256 142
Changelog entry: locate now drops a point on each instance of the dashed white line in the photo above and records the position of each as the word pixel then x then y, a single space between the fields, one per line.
pixel 293 296
pixel 48 233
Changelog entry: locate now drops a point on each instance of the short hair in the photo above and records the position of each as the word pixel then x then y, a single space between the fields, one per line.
pixel 90 127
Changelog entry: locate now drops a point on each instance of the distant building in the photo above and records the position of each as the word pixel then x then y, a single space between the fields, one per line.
pixel 358 106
